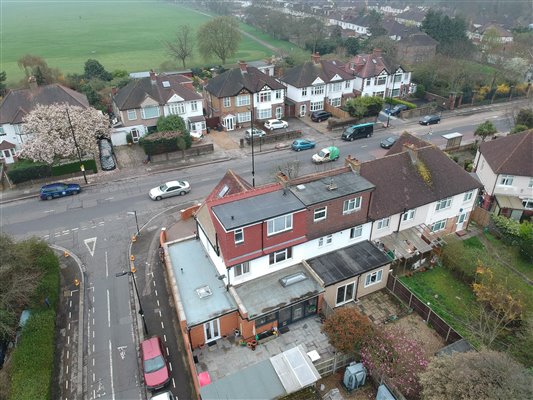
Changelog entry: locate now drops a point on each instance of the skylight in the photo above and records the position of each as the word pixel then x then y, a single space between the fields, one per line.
pixel 204 291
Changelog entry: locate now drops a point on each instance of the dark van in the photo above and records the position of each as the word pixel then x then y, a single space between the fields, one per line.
pixel 358 131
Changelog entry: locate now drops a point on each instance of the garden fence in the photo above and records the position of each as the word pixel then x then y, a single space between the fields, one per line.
pixel 330 365
pixel 412 301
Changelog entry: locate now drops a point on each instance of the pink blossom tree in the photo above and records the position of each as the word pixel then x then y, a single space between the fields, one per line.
pixel 394 356
pixel 51 134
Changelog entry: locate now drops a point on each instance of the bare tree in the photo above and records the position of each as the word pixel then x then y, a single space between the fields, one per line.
pixel 220 37
pixel 182 46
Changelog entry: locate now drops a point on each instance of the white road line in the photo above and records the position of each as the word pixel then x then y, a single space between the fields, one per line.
pixel 173 383
pixel 106 266
pixel 156 292
pixel 93 362
pixel 167 352
pixel 158 302
pixel 93 347
pixel 74 229
pixel 165 337
pixel 93 318
pixel 101 223
pixel 65 232
pixel 94 394
pixel 69 314
pixel 67 369
pixel 68 339
pixel 94 378
pixel 68 354
pixel 162 325
pixel 159 313
pixel 70 303
pixel 48 211
pixel 153 282
pixel 68 326
pixel 66 384
pixel 108 311
pixel 170 366
pixel 111 370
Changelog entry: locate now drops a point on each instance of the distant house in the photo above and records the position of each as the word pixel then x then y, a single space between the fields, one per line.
pixel 416 48
pixel 374 77
pixel 411 17
pixel 501 35
pixel 139 104
pixel 397 31
pixel 505 168
pixel 20 102
pixel 315 83
pixel 241 94
pixel 359 25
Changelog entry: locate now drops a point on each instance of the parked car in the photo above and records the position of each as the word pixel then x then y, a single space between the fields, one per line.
pixel 358 131
pixel 429 120
pixel 272 124
pixel 107 159
pixel 303 144
pixel 169 189
pixel 388 142
pixel 163 396
pixel 327 154
pixel 257 133
pixel 318 116
pixel 54 190
pixel 154 364
pixel 396 110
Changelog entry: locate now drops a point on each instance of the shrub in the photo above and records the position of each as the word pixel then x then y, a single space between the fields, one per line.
pixel 518 128
pixel 346 329
pixel 420 91
pixel 72 167
pixel 164 142
pixel 129 139
pixel 26 170
pixel 395 101
pixel 461 259
pixel 364 106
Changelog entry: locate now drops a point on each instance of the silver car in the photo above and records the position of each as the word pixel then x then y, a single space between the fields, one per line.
pixel 169 189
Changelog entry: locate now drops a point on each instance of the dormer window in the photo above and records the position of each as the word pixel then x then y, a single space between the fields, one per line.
pixel 279 224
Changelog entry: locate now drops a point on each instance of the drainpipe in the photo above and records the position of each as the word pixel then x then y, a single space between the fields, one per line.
pixel 400 220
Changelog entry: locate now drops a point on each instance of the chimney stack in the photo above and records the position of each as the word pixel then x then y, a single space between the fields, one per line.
pixel 315 57
pixel 33 83
pixel 243 66
pixel 354 164
pixel 153 77
pixel 114 91
pixel 413 152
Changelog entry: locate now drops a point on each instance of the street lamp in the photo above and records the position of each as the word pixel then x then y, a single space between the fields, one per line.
pixel 141 312
pixel 136 221
pixel 77 147
pixel 252 132
pixel 390 99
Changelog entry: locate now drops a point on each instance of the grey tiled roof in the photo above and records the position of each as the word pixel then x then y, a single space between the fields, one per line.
pixel 17 103
pixel 230 83
pixel 136 91
pixel 305 74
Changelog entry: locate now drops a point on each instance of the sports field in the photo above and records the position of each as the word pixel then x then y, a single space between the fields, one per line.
pixel 123 34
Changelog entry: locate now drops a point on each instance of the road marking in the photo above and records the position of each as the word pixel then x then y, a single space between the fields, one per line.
pixel 93 377
pixel 68 339
pixel 68 326
pixel 74 229
pixel 108 311
pixel 106 266
pixel 101 223
pixel 48 211
pixel 70 303
pixel 90 241
pixel 68 354
pixel 109 198
pixel 173 383
pixel 157 302
pixel 84 228
pixel 156 292
pixel 111 370
pixel 66 232
pixel 69 315
pixel 66 384
pixel 153 283
pixel 93 362
pixel 165 337
pixel 167 352
pixel 170 366
pixel 159 313
pixel 122 351
pixel 93 347
pixel 162 325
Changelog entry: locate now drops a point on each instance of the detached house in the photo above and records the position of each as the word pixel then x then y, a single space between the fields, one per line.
pixel 140 103
pixel 312 85
pixel 505 168
pixel 374 77
pixel 241 94
pixel 18 103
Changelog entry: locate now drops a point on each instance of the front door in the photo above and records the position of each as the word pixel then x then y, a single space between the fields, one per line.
pixel 135 135
pixel 460 221
pixel 279 112
pixel 303 110
pixel 284 317
pixel 229 122
pixel 212 330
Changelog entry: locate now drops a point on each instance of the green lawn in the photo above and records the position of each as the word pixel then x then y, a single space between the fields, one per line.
pixel 510 256
pixel 119 34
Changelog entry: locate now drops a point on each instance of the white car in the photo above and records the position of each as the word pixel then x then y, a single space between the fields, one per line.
pixel 257 133
pixel 276 124
pixel 169 189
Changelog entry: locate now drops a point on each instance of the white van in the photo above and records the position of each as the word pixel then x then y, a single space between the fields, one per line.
pixel 164 396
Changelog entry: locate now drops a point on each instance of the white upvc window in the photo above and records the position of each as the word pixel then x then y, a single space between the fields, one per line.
pixel 345 294
pixel 132 115
pixel 325 240
pixel 149 112
pixel 264 114
pixel 278 94
pixel 347 84
pixel 304 92
pixel 528 204
pixel 227 102
pixel 336 87
pixel 373 278
pixel 241 269
pixel 279 224
pixel 443 204
pixel 264 97
pixel 239 235
pixel 336 102
pixel 244 117
pixel 356 232
pixel 438 226
pixel 351 205
pixel 194 106
pixel 316 105
pixel 506 180
pixel 383 223
pixel 408 215
pixel 317 89
pixel 468 196
pixel 320 214
pixel 280 256
pixel 176 108
pixel 243 100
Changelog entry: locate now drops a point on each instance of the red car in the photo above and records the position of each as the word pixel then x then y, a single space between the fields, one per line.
pixel 155 367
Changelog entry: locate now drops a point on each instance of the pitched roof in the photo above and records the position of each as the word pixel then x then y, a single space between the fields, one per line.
pixel 19 102
pixel 511 154
pixel 136 91
pixel 419 39
pixel 305 74
pixel 394 28
pixel 368 65
pixel 231 82
pixel 230 184
pixel 400 183
pixel 5 145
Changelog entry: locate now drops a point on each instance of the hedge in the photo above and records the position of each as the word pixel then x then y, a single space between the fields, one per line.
pixel 164 142
pixel 33 359
pixel 394 101
pixel 73 167
pixel 25 170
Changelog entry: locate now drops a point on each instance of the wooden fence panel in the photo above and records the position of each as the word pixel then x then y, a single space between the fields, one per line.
pixel 480 216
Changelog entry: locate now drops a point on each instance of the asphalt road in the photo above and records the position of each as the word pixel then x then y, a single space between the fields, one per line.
pixel 96 226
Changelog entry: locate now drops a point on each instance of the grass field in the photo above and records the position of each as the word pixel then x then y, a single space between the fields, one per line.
pixel 126 35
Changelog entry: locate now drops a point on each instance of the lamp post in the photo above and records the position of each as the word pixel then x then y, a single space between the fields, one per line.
pixel 390 99
pixel 141 312
pixel 136 221
pixel 511 92
pixel 77 147
pixel 252 132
